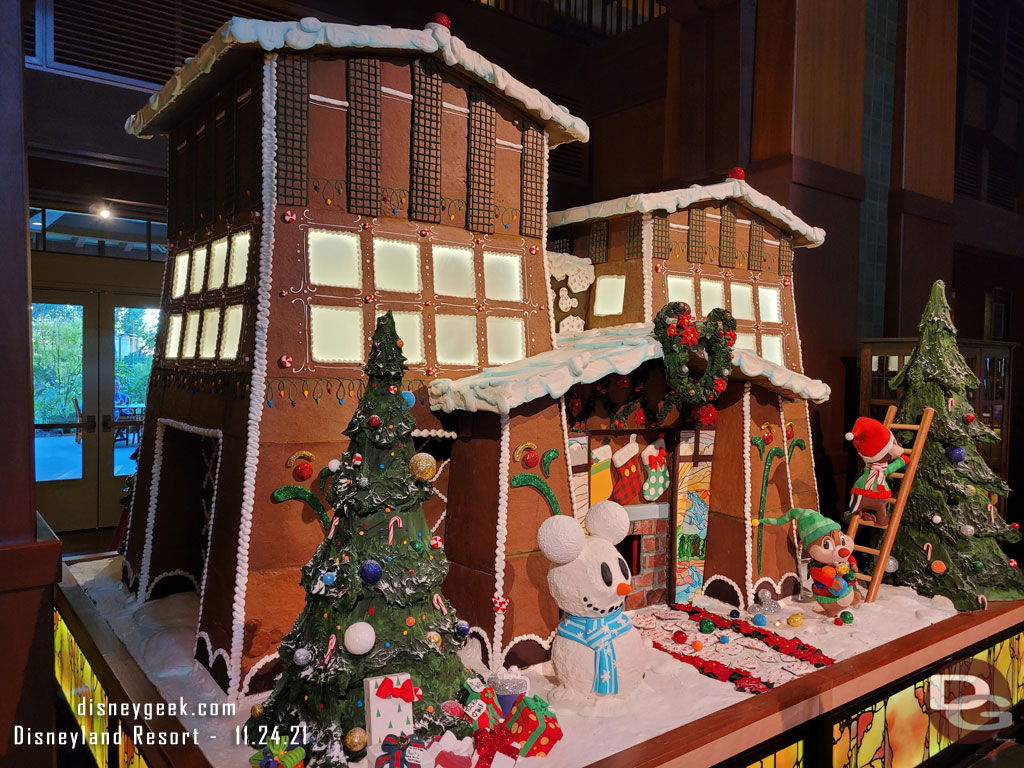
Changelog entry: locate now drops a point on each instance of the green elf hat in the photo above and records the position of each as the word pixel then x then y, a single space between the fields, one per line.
pixel 811 525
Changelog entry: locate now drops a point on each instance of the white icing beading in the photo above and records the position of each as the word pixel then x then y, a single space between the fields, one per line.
pixel 270 657
pixel 154 491
pixel 747 493
pixel 548 291
pixel 165 574
pixel 544 643
pixel 435 433
pixel 730 582
pixel 647 255
pixel 504 457
pixel 211 652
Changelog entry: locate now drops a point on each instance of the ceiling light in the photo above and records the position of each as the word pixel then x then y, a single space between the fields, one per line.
pixel 104 213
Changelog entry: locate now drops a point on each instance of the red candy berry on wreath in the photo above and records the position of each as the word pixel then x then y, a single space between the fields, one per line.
pixel 373 420
pixel 531 458
pixel 303 470
pixel 679 637
pixel 969 417
pixel 737 173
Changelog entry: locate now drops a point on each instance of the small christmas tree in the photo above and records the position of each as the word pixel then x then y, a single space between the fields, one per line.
pixel 948 541
pixel 373 602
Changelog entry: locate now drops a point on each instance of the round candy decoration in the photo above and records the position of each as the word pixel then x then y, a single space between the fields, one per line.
pixel 328 578
pixel 967 529
pixel 937 519
pixel 978 566
pixel 370 571
pixel 838 622
pixel 434 638
pixel 359 638
pixel 422 466
pixel 410 398
pixel 373 420
pixel 285 361
pixel 334 465
pixel 435 542
pixel 698 645
pixel 417 545
pixel 461 628
pixel 257 710
pixel 760 620
pixel 303 470
pixel 1012 563
pixel 938 566
pixel 795 620
pixel 969 417
pixel 679 637
pixel 707 626
pixel 892 565
pixel 847 617
pixel 355 740
pixel 734 614
pixel 956 454
pixel 723 639
pixel 302 656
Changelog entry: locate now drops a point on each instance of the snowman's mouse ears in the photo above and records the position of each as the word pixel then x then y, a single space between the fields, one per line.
pixel 561 539
pixel 608 520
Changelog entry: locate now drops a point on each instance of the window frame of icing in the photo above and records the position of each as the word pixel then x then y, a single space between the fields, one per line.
pixel 619 280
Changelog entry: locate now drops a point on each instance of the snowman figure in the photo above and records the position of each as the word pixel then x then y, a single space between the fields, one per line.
pixel 597 654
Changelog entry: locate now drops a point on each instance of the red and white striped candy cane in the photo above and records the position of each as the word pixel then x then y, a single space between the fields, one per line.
pixel 334 526
pixel 330 648
pixel 927 547
pixel 983 602
pixel 950 403
pixel 439 604
pixel 391 528
pixel 992 513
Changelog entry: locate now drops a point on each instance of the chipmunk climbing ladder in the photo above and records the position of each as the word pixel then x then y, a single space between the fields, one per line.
pixel 906 478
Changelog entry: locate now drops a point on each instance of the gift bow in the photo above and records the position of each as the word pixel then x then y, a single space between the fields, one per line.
pixel 406 691
pixel 657 460
pixel 537 705
pixel 488 743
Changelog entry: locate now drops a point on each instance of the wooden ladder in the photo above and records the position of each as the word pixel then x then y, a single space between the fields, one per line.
pixel 899 503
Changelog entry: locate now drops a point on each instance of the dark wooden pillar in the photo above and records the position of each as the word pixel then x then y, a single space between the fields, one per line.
pixel 28 566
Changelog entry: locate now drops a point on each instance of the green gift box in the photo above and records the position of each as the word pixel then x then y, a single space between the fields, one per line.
pixel 534 725
pixel 278 754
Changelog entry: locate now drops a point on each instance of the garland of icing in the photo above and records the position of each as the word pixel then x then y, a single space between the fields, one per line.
pixel 435 433
pixel 747 494
pixel 256 668
pixel 259 368
pixel 174 572
pixel 544 643
pixel 504 457
pixel 548 291
pixel 647 255
pixel 211 652
pixel 154 491
pixel 777 584
pixel 719 577
pixel 438 493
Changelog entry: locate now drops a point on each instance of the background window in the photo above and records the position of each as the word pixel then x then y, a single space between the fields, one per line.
pixel 681 289
pixel 506 340
pixel 742 301
pixel 453 272
pixel 770 304
pixel 173 336
pixel 610 292
pixel 195 284
pixel 238 264
pixel 191 334
pixel 771 348
pixel 211 329
pixel 180 281
pixel 409 326
pixel 218 261
pixel 455 337
pixel 337 334
pixel 503 276
pixel 335 259
pixel 231 334
pixel 712 295
pixel 396 265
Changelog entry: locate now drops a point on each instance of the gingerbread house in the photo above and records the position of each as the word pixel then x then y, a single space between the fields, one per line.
pixel 320 174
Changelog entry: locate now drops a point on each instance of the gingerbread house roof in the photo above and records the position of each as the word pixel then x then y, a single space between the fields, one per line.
pixel 803 234
pixel 241 35
pixel 591 356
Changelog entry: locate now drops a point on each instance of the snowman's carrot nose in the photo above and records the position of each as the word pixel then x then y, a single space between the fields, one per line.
pixel 623 588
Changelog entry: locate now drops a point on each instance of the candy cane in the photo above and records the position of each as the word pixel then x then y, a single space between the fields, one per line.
pixel 991 513
pixel 334 526
pixel 439 604
pixel 330 648
pixel 950 403
pixel 983 602
pixel 391 528
pixel 927 547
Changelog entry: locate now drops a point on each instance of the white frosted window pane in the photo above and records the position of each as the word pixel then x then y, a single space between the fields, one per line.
pixel 610 293
pixel 503 276
pixel 195 284
pixel 191 334
pixel 239 262
pixel 231 335
pixel 771 348
pixel 681 289
pixel 337 334
pixel 218 261
pixel 712 295
pixel 211 329
pixel 746 341
pixel 335 259
pixel 453 272
pixel 409 326
pixel 506 340
pixel 396 265
pixel 743 301
pixel 455 339
pixel 180 281
pixel 769 299
pixel 173 336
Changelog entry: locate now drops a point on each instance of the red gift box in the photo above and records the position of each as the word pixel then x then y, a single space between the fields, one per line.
pixel 533 725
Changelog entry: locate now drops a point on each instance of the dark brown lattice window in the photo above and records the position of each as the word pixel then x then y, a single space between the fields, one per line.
pixel 660 247
pixel 531 216
pixel 224 148
pixel 204 170
pixel 425 165
pixel 560 240
pixel 785 256
pixel 364 196
pixel 695 241
pixel 727 238
pixel 599 242
pixel 480 163
pixel 634 236
pixel 755 251
pixel 179 174
pixel 292 106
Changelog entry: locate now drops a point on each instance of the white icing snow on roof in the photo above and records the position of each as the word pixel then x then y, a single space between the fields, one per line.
pixel 588 357
pixel 671 200
pixel 308 33
pixel 564 264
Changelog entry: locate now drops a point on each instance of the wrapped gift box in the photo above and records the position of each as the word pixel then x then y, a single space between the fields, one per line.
pixel 534 726
pixel 482 708
pixel 388 702
pixel 278 753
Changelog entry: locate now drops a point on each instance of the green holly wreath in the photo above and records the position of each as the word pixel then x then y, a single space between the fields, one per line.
pixel 675 328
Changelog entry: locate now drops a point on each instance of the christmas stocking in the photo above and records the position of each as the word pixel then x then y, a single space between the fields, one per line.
pixel 656 459
pixel 600 474
pixel 627 465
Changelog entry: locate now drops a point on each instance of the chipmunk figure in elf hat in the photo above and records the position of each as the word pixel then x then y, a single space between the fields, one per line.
pixel 834 569
pixel 882 456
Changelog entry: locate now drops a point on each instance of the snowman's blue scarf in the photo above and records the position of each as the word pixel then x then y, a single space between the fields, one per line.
pixel 598 634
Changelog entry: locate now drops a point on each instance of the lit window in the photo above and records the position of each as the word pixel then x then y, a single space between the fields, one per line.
pixel 712 295
pixel 396 265
pixel 610 292
pixel 681 289
pixel 231 333
pixel 506 340
pixel 453 272
pixel 771 348
pixel 743 301
pixel 455 337
pixel 238 264
pixel 337 334
pixel 191 334
pixel 211 329
pixel 218 261
pixel 180 281
pixel 503 276
pixel 409 326
pixel 335 259
pixel 173 336
pixel 746 341
pixel 198 269
pixel 769 299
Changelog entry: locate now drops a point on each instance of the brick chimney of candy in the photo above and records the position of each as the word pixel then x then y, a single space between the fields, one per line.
pixel 646 552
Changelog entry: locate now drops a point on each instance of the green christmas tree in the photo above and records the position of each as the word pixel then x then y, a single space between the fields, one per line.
pixel 948 513
pixel 373 587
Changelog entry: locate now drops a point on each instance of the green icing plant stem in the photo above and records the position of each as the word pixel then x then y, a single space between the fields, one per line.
pixel 798 443
pixel 525 478
pixel 774 453
pixel 545 463
pixel 289 492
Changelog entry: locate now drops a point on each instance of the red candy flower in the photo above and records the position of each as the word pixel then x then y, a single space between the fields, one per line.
pixel 706 415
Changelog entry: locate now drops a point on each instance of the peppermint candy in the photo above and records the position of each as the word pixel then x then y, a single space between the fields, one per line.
pixel 285 361
pixel 435 542
pixel 393 389
pixel 289 217
pixel 500 604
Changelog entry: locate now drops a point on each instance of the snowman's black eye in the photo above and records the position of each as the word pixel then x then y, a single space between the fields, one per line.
pixel 606 574
pixel 623 568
